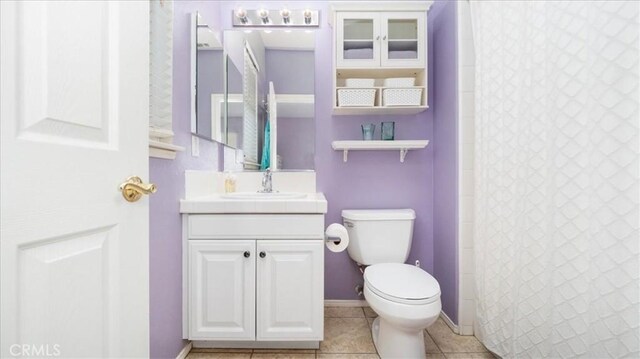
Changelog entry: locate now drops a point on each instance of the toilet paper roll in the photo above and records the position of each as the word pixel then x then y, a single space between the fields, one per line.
pixel 336 237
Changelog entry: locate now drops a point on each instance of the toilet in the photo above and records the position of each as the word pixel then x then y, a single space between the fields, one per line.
pixel 406 298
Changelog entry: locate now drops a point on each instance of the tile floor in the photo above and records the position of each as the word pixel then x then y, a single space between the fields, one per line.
pixel 347 335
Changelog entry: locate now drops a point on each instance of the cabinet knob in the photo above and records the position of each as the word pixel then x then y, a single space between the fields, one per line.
pixel 384 37
pixel 378 37
pixel 263 254
pixel 247 254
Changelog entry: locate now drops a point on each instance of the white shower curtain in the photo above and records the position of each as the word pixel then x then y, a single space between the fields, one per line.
pixel 557 178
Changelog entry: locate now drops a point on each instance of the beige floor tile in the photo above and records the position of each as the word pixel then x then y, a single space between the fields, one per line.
pixel 430 346
pixel 435 356
pixel 219 356
pixel 220 350
pixel 449 342
pixel 486 355
pixel 343 312
pixel 294 351
pixel 370 321
pixel 283 356
pixel 347 335
pixel 348 356
pixel 369 313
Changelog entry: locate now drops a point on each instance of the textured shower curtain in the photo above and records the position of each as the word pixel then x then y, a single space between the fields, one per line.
pixel 557 178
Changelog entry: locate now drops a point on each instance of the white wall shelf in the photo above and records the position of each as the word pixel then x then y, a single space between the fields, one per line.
pixel 402 146
pixel 379 110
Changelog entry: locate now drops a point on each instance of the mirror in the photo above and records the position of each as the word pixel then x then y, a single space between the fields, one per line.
pixel 255 93
pixel 208 58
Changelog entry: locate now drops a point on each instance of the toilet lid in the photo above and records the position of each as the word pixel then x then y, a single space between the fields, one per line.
pixel 402 282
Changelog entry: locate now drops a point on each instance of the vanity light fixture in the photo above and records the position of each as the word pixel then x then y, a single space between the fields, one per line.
pixel 264 16
pixel 283 17
pixel 241 14
pixel 286 16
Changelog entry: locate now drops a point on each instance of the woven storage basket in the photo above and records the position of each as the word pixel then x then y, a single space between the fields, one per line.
pixel 356 97
pixel 400 82
pixel 401 97
pixel 359 83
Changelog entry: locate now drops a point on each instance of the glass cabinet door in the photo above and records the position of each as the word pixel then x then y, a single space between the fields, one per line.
pixel 403 40
pixel 358 40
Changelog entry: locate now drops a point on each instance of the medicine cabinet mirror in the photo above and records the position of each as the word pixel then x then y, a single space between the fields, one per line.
pixel 255 92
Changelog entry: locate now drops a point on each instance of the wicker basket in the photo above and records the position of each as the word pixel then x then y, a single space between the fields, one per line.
pixel 400 82
pixel 402 97
pixel 356 97
pixel 360 83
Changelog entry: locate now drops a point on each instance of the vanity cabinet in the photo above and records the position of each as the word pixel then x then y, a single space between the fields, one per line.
pixel 381 39
pixel 254 278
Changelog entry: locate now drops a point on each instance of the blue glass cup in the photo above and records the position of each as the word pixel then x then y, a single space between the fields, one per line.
pixel 367 131
pixel 387 130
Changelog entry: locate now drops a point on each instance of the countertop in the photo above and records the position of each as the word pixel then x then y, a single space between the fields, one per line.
pixel 314 203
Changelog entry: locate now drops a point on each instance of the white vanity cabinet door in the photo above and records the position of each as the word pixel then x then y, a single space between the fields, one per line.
pixel 358 39
pixel 403 39
pixel 290 289
pixel 222 289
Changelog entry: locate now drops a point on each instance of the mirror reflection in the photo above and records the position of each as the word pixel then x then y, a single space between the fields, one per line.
pixel 255 93
pixel 209 64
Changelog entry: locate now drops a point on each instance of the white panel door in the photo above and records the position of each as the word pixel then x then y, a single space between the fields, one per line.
pixel 222 289
pixel 75 112
pixel 290 283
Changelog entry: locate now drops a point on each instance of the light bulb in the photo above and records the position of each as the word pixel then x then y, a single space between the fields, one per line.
pixel 242 15
pixel 264 15
pixel 307 16
pixel 286 16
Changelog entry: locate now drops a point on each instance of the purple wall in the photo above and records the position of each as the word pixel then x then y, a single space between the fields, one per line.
pixel 290 70
pixel 445 156
pixel 296 143
pixel 165 242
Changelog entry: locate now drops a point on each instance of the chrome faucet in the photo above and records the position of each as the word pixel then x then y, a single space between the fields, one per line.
pixel 267 186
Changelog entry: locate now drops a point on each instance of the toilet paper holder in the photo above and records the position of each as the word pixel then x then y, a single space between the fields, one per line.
pixel 336 237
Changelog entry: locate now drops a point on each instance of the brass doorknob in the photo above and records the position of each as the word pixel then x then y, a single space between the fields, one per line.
pixel 133 188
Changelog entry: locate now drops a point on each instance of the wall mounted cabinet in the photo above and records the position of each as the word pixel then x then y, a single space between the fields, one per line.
pixel 380 40
pixel 375 39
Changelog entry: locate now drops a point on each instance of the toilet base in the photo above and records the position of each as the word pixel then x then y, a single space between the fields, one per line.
pixel 393 343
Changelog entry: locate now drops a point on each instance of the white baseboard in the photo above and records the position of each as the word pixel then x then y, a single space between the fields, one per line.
pixel 449 322
pixel 185 351
pixel 345 303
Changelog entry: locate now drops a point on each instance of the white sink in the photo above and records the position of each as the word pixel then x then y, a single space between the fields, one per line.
pixel 261 195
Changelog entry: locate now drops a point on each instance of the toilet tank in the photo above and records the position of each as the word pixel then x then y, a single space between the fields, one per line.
pixel 379 235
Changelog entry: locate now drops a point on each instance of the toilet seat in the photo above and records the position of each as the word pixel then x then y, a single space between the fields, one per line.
pixel 402 283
